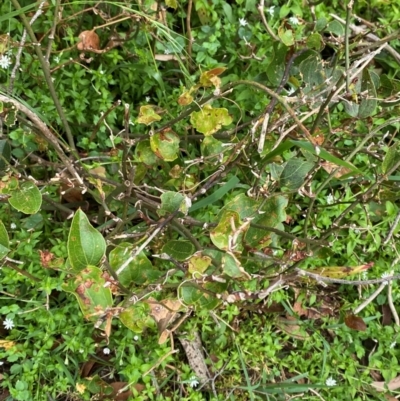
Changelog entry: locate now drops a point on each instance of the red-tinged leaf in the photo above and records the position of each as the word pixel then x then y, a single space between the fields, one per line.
pixel 355 323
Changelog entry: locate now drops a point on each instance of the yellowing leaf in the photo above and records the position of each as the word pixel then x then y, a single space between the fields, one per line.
pixel 341 271
pixel 147 115
pixel 209 120
pixel 210 78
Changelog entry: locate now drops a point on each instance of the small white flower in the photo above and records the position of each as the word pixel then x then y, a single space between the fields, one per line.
pixel 393 344
pixel 57 59
pixel 364 275
pixel 8 324
pixel 5 61
pixel 270 11
pixel 1 363
pixel 166 51
pixel 193 382
pixel 136 338
pixel 106 351
pixel 81 351
pixel 101 72
pixel 294 20
pixel 13 226
pixel 147 99
pixel 330 382
pixel 242 22
pixel 330 199
pixel 290 92
pixel 385 275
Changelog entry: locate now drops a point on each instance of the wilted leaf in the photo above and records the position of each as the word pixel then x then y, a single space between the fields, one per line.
pixel 291 326
pixel 199 263
pixel 355 323
pixel 394 384
pixel 147 115
pixel 228 223
pixel 165 145
pixel 210 78
pixel 88 287
pixel 186 98
pixel 89 40
pixel 341 271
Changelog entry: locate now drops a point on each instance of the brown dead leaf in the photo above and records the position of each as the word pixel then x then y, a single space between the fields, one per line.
pixel 394 384
pixel 355 323
pixel 164 312
pixel 118 386
pixel 289 326
pixel 89 40
pixel 329 167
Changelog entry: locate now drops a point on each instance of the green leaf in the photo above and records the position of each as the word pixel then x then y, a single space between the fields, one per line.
pixel 217 195
pixel 315 41
pixel 8 113
pixel 144 154
pixel 165 145
pixel 5 153
pixel 139 271
pixel 173 201
pixel 4 241
pixel 273 213
pixel 209 120
pixel 86 246
pixel 179 250
pixel 26 198
pixel 88 287
pixel 231 267
pixel 137 317
pixel 276 68
pixel 286 36
pixel 294 173
pixel 243 205
pixel 172 4
pixel 391 158
pixel 336 28
pixel 192 295
pixel 220 235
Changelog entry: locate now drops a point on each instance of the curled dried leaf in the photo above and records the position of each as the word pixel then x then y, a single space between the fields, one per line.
pixel 89 40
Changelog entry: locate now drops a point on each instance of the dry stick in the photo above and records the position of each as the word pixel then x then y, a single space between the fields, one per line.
pixel 391 305
pixel 370 298
pixel 46 132
pixel 359 30
pixel 47 75
pixel 346 43
pixel 260 9
pixel 348 159
pixel 353 205
pixel 391 231
pixel 53 30
pixel 189 29
pixel 20 48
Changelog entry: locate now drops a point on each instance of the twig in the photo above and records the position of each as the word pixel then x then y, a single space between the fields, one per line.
pixel 391 305
pixel 260 9
pixel 391 231
pixel 346 44
pixel 46 132
pixel 47 75
pixel 21 47
pixel 53 30
pixel 370 298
